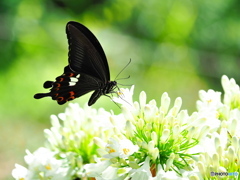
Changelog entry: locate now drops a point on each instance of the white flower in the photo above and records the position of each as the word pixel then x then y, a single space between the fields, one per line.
pixel 210 100
pixel 102 170
pixel 162 133
pixel 120 148
pixel 232 92
pixel 231 121
pixel 208 108
pixel 96 169
pixel 72 133
pixel 167 175
pixel 44 160
pixel 125 97
pixel 117 152
pixel 20 172
pixel 142 173
pixel 218 156
pixel 42 164
pixel 77 125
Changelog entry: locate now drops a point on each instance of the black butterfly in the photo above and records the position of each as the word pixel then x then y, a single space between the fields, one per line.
pixel 87 69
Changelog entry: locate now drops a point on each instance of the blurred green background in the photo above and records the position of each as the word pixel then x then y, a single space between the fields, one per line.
pixel 176 46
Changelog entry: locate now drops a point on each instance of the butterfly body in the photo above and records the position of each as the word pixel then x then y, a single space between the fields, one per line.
pixel 87 69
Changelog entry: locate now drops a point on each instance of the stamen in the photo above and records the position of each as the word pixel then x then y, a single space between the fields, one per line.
pixel 126 151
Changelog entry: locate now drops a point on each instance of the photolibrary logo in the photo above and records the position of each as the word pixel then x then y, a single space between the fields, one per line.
pixel 235 174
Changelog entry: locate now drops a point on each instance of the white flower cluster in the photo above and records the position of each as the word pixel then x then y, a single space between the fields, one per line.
pixel 145 142
pixel 42 165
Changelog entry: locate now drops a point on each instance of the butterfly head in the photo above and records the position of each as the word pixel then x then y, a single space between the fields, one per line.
pixel 110 86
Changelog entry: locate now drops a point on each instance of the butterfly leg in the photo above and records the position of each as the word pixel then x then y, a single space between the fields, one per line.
pixel 112 100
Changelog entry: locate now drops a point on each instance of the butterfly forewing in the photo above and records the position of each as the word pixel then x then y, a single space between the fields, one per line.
pixel 85 52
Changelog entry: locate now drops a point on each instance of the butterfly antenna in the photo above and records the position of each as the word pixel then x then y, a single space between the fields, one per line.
pixel 123 69
pixel 124 78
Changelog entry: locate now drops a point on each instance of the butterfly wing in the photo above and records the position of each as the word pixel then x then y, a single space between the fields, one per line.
pixel 69 86
pixel 85 52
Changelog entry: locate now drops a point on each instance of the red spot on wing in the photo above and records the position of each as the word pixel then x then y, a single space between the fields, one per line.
pixel 72 93
pixel 57 84
pixel 59 99
pixel 70 74
pixel 60 79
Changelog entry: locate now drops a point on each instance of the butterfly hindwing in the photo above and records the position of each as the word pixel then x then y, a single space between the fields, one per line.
pixel 69 86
